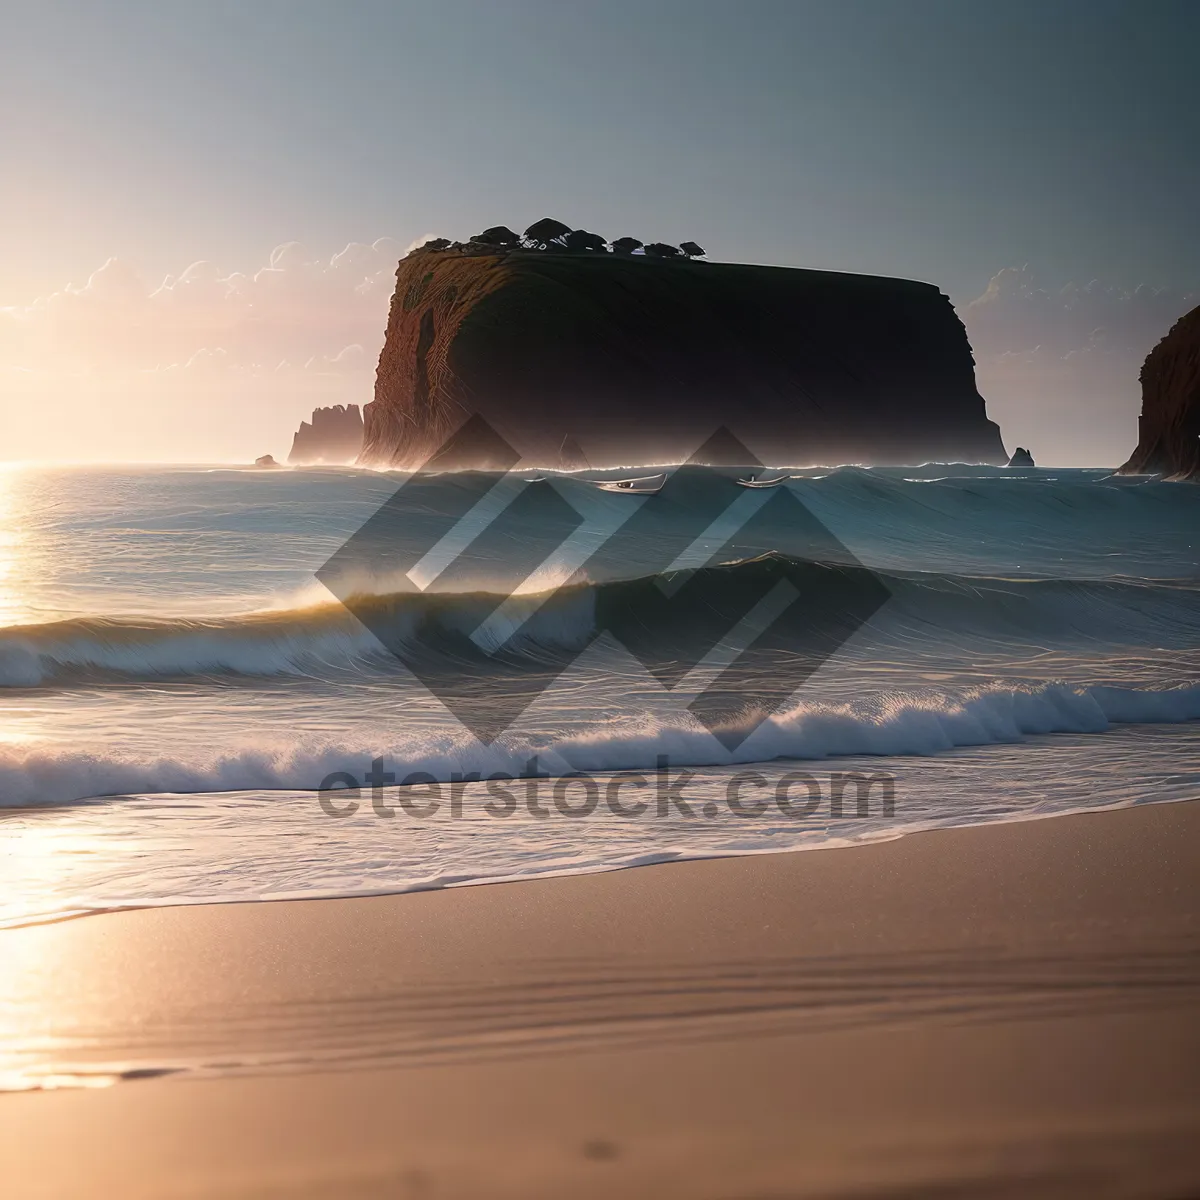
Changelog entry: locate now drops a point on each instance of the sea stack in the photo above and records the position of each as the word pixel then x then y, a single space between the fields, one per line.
pixel 335 435
pixel 627 358
pixel 1169 426
pixel 1021 458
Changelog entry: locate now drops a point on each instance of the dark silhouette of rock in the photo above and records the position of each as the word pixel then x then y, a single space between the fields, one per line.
pixel 542 233
pixel 692 249
pixel 1021 458
pixel 581 240
pixel 335 435
pixel 662 250
pixel 267 460
pixel 435 244
pixel 626 245
pixel 497 235
pixel 641 362
pixel 1169 425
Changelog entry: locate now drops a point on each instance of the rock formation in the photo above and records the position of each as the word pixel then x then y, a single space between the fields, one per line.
pixel 1021 458
pixel 266 461
pixel 1169 427
pixel 335 435
pixel 639 360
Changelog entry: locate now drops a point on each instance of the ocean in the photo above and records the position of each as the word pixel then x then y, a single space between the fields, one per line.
pixel 185 704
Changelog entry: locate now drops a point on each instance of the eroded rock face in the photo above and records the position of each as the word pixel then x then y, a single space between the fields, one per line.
pixel 638 361
pixel 1169 427
pixel 335 435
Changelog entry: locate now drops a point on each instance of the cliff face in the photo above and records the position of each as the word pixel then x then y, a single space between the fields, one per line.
pixel 335 435
pixel 1169 427
pixel 633 360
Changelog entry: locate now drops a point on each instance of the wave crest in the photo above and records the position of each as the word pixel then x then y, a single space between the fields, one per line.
pixel 323 639
pixel 899 725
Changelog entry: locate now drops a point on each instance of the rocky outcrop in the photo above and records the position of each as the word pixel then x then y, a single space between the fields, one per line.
pixel 1021 458
pixel 266 461
pixel 1169 426
pixel 335 435
pixel 627 359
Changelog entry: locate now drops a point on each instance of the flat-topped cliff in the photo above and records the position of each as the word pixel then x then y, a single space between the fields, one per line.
pixel 1169 427
pixel 632 359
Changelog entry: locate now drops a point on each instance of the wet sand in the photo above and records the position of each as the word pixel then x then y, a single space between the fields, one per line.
pixel 1002 1010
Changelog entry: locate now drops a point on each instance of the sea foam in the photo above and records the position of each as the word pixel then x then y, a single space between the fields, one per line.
pixel 902 725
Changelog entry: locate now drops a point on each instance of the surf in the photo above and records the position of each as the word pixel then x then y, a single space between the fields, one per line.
pixel 934 610
pixel 918 723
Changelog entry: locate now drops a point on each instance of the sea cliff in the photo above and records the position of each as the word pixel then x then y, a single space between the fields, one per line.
pixel 1169 425
pixel 334 435
pixel 632 359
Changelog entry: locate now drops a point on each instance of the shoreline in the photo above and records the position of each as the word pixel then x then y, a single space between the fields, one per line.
pixel 876 836
pixel 990 1010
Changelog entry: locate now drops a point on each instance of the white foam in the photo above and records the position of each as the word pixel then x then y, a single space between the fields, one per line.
pixel 901 726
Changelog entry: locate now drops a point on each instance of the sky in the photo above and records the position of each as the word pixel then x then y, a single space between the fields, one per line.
pixel 201 205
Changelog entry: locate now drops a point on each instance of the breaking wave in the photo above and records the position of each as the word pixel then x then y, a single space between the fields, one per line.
pixel 321 639
pixel 891 724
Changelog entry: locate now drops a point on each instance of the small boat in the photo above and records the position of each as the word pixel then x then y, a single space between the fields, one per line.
pixel 761 481
pixel 646 485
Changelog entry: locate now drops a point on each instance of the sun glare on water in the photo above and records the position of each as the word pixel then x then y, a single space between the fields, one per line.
pixel 12 537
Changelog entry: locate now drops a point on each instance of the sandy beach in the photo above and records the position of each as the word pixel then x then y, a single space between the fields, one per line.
pixel 988 1011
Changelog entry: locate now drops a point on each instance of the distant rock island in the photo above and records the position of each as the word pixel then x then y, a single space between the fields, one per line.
pixel 1169 426
pixel 578 351
pixel 335 435
pixel 1021 458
